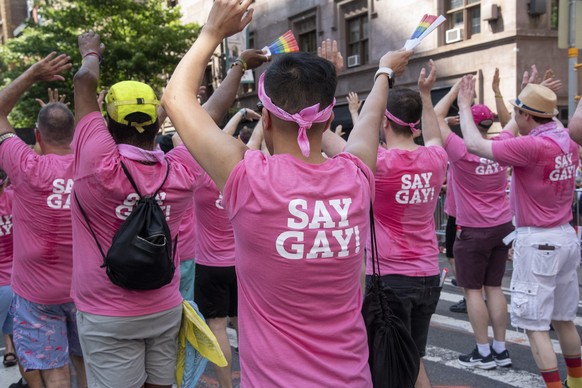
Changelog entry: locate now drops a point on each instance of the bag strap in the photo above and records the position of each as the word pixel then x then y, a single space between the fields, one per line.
pixel 130 178
pixel 374 243
pixel 89 225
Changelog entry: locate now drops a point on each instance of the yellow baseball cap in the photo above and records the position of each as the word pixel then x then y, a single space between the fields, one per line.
pixel 127 97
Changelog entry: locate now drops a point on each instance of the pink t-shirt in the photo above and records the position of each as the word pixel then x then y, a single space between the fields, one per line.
pixel 543 180
pixel 407 190
pixel 108 198
pixel 187 234
pixel 5 236
pixel 479 186
pixel 41 270
pixel 450 207
pixel 215 245
pixel 299 231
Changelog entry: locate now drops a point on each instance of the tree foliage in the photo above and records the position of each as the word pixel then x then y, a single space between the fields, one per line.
pixel 144 41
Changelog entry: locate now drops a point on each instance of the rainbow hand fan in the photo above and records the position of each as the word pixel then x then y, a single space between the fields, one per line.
pixel 286 43
pixel 427 25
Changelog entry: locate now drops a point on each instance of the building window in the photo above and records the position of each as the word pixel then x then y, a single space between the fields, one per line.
pixel 357 37
pixel 554 14
pixel 305 30
pixel 464 15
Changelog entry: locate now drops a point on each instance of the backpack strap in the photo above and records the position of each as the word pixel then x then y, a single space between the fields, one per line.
pixel 130 178
pixel 89 225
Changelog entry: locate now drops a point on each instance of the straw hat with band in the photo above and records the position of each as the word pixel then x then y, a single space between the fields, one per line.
pixel 536 100
pixel 127 97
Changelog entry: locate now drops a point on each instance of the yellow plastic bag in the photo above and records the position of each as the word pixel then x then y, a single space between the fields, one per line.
pixel 196 332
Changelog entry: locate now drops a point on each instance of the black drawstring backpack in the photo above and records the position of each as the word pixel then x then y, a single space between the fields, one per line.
pixel 140 256
pixel 394 359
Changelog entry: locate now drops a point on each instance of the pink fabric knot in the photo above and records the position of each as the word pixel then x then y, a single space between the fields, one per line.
pixel 304 118
pixel 412 126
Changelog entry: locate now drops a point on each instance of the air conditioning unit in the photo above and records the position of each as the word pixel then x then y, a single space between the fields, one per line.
pixel 354 60
pixel 454 35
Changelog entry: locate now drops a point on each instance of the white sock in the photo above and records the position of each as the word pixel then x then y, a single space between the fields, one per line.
pixel 484 349
pixel 498 346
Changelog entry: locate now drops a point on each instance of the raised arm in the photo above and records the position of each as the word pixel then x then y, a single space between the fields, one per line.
pixel 363 140
pixel 354 105
pixel 235 120
pixel 430 126
pixel 442 108
pixel 476 144
pixel 257 137
pixel 332 144
pixel 502 112
pixel 222 99
pixel 47 69
pixel 217 152
pixel 87 76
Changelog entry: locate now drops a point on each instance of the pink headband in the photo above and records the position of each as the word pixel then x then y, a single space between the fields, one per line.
pixel 305 118
pixel 412 126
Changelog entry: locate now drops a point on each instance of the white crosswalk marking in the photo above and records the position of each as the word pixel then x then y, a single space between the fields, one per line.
pixel 512 336
pixel 509 376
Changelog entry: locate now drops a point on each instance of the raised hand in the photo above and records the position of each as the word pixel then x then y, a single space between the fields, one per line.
pixel 227 17
pixel 254 58
pixel 495 83
pixel 354 102
pixel 425 83
pixel 339 130
pixel 51 67
pixel 89 42
pixel 550 81
pixel 532 78
pixel 396 60
pixel 466 92
pixel 53 96
pixel 329 51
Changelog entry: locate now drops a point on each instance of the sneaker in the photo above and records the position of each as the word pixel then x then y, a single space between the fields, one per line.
pixel 454 282
pixel 459 307
pixel 501 359
pixel 476 360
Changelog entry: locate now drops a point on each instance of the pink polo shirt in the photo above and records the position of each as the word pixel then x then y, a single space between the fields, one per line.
pixel 407 190
pixel 41 213
pixel 5 236
pixel 299 231
pixel 479 186
pixel 108 198
pixel 215 245
pixel 543 180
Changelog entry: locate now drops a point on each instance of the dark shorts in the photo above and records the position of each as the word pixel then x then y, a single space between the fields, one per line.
pixel 480 256
pixel 450 234
pixel 215 291
pixel 419 296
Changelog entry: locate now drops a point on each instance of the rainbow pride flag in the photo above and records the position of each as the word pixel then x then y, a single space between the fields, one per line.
pixel 286 43
pixel 427 24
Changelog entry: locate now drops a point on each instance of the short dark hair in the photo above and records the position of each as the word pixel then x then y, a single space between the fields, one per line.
pixel 406 105
pixel 541 120
pixel 125 134
pixel 56 124
pixel 297 80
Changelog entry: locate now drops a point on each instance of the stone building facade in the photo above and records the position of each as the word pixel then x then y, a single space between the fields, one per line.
pixel 477 37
